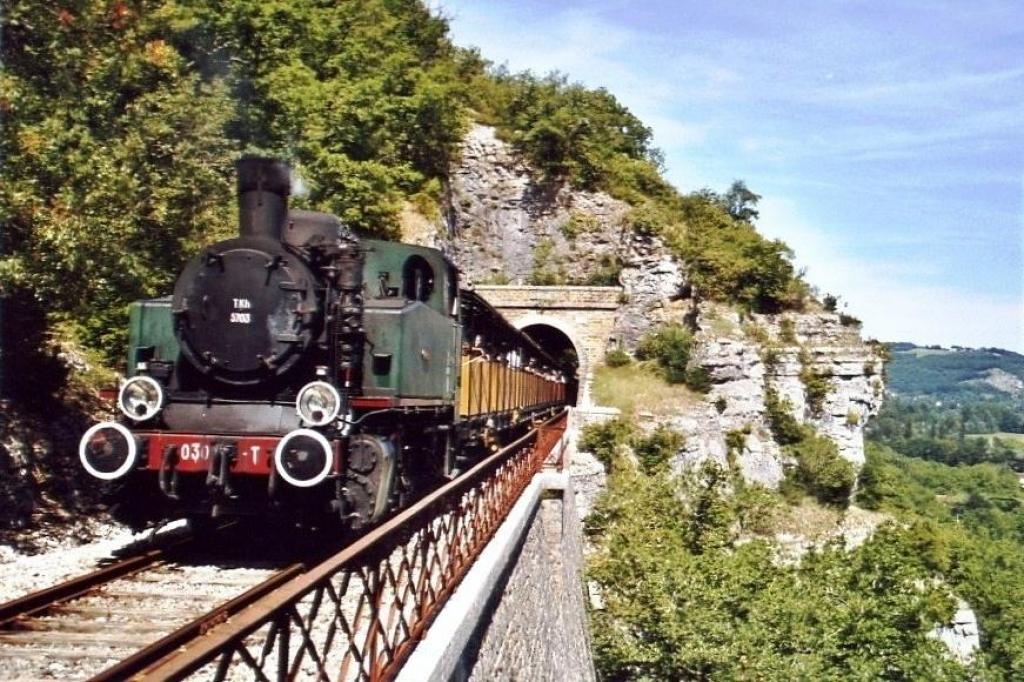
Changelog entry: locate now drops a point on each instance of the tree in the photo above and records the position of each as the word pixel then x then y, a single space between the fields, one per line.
pixel 367 99
pixel 109 140
pixel 741 203
pixel 685 599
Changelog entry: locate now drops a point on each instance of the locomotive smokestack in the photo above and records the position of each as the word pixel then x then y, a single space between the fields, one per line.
pixel 263 189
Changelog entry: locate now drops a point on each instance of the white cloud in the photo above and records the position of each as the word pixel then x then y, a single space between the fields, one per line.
pixel 932 89
pixel 890 297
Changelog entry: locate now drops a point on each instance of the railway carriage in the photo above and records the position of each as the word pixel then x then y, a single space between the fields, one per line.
pixel 302 373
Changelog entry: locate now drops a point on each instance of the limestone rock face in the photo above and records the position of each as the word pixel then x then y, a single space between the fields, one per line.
pixel 506 227
pixel 654 285
pixel 735 356
pixel 499 214
pixel 962 637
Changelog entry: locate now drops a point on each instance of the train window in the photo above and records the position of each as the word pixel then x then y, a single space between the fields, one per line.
pixel 417 279
pixel 382 364
pixel 386 291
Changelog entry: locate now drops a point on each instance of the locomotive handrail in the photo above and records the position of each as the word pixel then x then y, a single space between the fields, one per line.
pixel 381 592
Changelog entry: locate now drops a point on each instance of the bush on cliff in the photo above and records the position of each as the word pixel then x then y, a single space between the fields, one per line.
pixel 820 470
pixel 683 598
pixel 670 346
pixel 653 452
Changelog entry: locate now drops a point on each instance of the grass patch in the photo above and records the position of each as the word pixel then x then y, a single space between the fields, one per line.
pixel 719 324
pixel 809 519
pixel 1012 440
pixel 638 387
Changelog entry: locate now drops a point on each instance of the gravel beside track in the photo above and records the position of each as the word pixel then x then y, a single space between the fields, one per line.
pixel 82 637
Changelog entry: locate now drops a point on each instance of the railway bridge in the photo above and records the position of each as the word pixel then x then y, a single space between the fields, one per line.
pixel 580 319
pixel 481 579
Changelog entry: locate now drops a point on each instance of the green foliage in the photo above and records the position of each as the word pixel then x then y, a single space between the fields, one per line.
pixel 121 123
pixel 698 378
pixel 579 223
pixel 569 132
pixel 683 599
pixel 728 260
pixel 617 357
pixel 607 273
pixel 109 139
pixel 938 431
pixel 366 98
pixel 547 270
pixel 817 384
pixel 784 426
pixel 605 439
pixel 670 346
pixel 848 320
pixel 756 507
pixel 950 374
pixel 498 278
pixel 649 218
pixel 735 442
pixel 739 202
pixel 654 452
pixel 829 302
pixel 820 470
pixel 970 521
pixel 756 333
pixel 787 330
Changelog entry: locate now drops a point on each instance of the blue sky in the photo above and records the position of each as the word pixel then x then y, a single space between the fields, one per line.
pixel 886 138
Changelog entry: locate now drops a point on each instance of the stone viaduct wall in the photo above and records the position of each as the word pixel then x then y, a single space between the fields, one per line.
pixel 519 614
pixel 586 315
pixel 538 630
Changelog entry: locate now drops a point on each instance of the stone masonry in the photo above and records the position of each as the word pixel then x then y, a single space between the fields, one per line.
pixel 586 315
pixel 538 630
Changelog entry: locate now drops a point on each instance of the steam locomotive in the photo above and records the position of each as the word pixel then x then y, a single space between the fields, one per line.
pixel 300 372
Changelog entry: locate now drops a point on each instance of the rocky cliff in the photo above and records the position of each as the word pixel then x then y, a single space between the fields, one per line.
pixel 777 352
pixel 503 226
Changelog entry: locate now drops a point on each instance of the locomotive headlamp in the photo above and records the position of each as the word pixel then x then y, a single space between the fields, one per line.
pixel 303 458
pixel 141 398
pixel 107 451
pixel 318 403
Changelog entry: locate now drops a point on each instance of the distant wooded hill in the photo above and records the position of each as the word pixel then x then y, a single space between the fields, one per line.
pixel 955 373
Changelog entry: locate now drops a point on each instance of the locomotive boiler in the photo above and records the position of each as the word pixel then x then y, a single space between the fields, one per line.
pixel 299 372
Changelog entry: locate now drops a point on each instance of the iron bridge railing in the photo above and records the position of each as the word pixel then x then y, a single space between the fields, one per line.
pixel 358 615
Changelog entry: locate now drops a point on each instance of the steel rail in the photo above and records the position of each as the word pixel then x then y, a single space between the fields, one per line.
pixel 393 604
pixel 37 602
pixel 169 643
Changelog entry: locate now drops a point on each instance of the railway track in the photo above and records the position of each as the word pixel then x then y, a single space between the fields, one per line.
pixel 133 611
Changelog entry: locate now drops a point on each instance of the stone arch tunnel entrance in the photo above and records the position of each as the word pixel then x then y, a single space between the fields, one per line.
pixel 584 318
pixel 558 344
